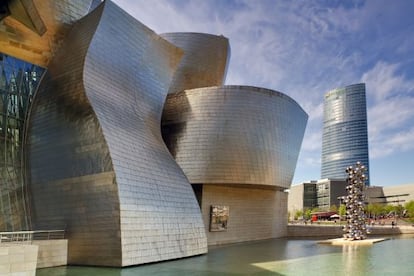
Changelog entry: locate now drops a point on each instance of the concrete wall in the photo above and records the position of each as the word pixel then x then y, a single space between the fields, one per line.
pixel 18 259
pixel 313 231
pixel 374 194
pixel 52 253
pixel 399 190
pixel 295 199
pixel 254 213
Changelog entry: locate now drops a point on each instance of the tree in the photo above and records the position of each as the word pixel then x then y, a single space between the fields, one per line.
pixel 399 209
pixel 307 214
pixel 389 209
pixel 298 214
pixel 409 206
pixel 342 210
pixel 375 209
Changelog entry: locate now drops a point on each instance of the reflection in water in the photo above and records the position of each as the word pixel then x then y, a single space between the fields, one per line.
pixel 275 257
pixel 354 258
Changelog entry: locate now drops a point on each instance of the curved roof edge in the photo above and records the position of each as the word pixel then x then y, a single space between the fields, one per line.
pixel 335 90
pixel 251 88
pixel 194 34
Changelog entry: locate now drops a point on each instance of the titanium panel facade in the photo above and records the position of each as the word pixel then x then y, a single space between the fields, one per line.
pixel 33 30
pixel 234 135
pixel 204 63
pixel 345 133
pixel 98 162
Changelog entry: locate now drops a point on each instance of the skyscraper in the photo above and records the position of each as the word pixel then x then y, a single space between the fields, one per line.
pixel 345 134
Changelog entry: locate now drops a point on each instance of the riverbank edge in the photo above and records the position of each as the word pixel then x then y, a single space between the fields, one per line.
pixel 298 230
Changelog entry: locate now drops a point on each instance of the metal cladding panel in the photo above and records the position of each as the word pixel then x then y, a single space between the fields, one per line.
pixel 35 29
pixel 204 63
pixel 234 135
pixel 119 79
pixel 72 181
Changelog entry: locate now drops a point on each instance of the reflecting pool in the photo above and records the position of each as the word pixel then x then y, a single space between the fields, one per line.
pixel 276 257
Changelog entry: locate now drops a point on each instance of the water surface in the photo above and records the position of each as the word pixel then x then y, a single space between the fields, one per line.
pixel 275 257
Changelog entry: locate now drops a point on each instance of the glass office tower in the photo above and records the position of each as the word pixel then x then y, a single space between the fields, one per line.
pixel 345 134
pixel 18 82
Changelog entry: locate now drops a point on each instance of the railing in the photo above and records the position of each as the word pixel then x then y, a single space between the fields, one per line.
pixel 28 236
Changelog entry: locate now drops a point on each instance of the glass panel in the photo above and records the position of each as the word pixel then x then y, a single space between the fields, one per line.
pixel 18 83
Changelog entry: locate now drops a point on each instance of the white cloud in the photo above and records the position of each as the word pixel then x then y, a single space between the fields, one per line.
pixel 390 115
pixel 383 81
pixel 312 141
pixel 391 111
pixel 394 142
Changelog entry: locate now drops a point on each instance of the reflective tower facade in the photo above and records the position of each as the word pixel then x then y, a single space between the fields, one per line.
pixel 345 133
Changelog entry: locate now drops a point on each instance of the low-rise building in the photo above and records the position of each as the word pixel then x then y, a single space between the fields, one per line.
pixel 325 193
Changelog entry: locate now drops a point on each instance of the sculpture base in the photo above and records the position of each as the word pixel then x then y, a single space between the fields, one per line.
pixel 342 241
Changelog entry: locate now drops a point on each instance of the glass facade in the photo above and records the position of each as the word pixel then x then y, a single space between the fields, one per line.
pixel 309 196
pixel 18 83
pixel 345 134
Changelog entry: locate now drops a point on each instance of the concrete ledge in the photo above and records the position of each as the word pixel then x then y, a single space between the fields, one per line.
pixel 302 230
pixel 314 231
pixel 342 241
pixel 18 259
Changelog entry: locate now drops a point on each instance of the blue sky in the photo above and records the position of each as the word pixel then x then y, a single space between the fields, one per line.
pixel 306 48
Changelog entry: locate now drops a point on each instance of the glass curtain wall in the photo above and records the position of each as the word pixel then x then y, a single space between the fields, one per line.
pixel 18 83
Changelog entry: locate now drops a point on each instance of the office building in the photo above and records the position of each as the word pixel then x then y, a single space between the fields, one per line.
pixel 322 194
pixel 345 134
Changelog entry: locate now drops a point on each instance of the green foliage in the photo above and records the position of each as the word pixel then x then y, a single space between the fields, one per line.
pixel 409 206
pixel 342 210
pixel 307 214
pixel 399 209
pixel 333 208
pixel 376 209
pixel 298 214
pixel 389 209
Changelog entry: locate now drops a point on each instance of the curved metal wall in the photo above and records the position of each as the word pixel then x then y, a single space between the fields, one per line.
pixel 234 135
pixel 98 162
pixel 204 63
pixel 345 131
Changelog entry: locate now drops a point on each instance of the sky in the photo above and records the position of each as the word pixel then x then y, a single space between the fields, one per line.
pixel 306 48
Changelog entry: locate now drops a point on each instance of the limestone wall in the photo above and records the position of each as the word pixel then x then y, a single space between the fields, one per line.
pixel 52 253
pixel 254 214
pixel 18 259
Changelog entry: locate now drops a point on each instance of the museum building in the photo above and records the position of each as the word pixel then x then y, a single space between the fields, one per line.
pixel 130 141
